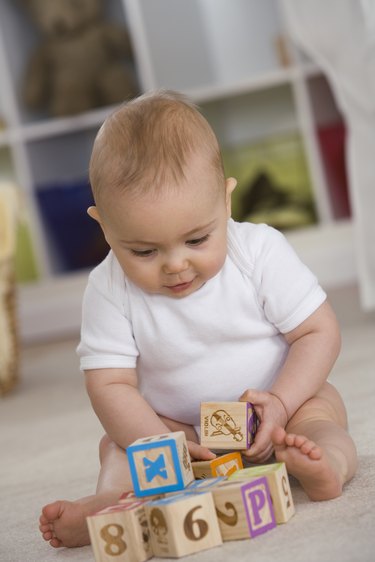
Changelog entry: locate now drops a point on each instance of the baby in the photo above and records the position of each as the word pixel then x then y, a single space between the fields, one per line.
pixel 190 306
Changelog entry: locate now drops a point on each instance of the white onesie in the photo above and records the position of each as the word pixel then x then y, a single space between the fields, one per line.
pixel 211 345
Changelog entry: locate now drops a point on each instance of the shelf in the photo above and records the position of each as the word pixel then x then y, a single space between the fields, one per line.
pixel 54 127
pixel 271 79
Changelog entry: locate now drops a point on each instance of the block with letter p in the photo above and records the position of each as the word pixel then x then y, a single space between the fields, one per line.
pixel 160 464
pixel 278 481
pixel 244 508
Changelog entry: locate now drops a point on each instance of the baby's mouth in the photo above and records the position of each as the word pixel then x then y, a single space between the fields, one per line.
pixel 179 287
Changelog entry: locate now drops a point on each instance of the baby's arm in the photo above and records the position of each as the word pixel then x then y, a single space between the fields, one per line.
pixel 126 415
pixel 314 347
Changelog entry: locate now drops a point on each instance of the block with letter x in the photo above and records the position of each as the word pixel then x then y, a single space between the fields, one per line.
pixel 160 464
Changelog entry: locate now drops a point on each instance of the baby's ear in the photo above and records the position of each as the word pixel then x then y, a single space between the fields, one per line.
pixel 93 213
pixel 230 185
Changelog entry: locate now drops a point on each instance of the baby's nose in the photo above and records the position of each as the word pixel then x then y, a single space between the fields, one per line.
pixel 175 262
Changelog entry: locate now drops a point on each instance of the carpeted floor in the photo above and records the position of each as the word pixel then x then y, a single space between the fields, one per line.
pixel 48 448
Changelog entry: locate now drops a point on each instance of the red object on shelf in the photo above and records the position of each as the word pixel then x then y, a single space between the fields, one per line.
pixel 332 148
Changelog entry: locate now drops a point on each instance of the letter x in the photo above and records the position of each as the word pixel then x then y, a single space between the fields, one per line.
pixel 155 468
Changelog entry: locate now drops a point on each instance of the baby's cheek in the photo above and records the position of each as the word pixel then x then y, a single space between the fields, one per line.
pixel 215 264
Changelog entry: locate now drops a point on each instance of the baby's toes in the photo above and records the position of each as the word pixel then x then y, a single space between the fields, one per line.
pixel 300 441
pixel 290 439
pixel 43 520
pixel 48 535
pixel 45 528
pixel 55 542
pixel 315 453
pixel 307 446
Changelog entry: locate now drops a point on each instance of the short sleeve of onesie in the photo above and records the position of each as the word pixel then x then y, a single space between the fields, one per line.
pixel 106 334
pixel 287 290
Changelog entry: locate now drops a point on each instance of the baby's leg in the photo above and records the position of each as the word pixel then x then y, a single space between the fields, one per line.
pixel 316 446
pixel 63 523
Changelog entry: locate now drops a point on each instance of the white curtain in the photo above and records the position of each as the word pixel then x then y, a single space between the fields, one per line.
pixel 340 36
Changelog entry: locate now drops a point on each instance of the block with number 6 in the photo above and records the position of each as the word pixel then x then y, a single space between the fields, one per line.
pixel 120 533
pixel 183 524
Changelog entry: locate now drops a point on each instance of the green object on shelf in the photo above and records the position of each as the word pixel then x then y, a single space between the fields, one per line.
pixel 273 182
pixel 15 237
pixel 25 264
pixel 6 165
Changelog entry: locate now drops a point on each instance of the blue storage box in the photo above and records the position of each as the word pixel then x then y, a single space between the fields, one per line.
pixel 77 240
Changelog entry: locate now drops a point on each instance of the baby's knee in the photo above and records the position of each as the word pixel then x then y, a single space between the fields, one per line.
pixel 104 444
pixel 326 405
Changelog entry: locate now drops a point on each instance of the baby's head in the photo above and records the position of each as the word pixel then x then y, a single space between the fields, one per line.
pixel 161 196
pixel 148 145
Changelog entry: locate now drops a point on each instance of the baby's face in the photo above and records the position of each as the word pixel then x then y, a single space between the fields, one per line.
pixel 171 245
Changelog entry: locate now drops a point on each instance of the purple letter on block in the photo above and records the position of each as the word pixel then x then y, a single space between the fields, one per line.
pixel 258 506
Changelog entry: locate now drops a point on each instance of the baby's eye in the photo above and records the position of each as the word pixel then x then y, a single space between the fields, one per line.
pixel 198 241
pixel 142 253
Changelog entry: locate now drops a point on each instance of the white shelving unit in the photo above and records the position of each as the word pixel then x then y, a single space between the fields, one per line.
pixel 223 55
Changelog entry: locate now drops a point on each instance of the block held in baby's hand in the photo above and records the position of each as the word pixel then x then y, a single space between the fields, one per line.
pixel 228 425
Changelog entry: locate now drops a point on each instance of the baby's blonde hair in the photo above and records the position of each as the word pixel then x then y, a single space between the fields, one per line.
pixel 147 143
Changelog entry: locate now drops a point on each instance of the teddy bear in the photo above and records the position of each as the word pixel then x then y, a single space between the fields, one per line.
pixel 82 61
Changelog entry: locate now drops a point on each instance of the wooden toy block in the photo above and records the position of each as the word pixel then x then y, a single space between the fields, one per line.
pixel 225 465
pixel 278 482
pixel 205 485
pixel 198 486
pixel 183 524
pixel 228 425
pixel 130 497
pixel 244 509
pixel 202 469
pixel 121 533
pixel 160 464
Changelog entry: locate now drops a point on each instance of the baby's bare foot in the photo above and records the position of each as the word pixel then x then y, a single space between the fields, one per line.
pixel 307 462
pixel 63 523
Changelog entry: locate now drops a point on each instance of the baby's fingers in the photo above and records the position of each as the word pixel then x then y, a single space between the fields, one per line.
pixel 256 397
pixel 199 453
pixel 259 458
pixel 262 445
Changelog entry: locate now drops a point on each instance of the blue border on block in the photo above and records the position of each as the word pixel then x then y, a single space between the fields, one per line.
pixel 179 485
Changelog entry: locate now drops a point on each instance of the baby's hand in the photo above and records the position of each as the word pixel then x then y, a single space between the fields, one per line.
pixel 271 413
pixel 199 453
